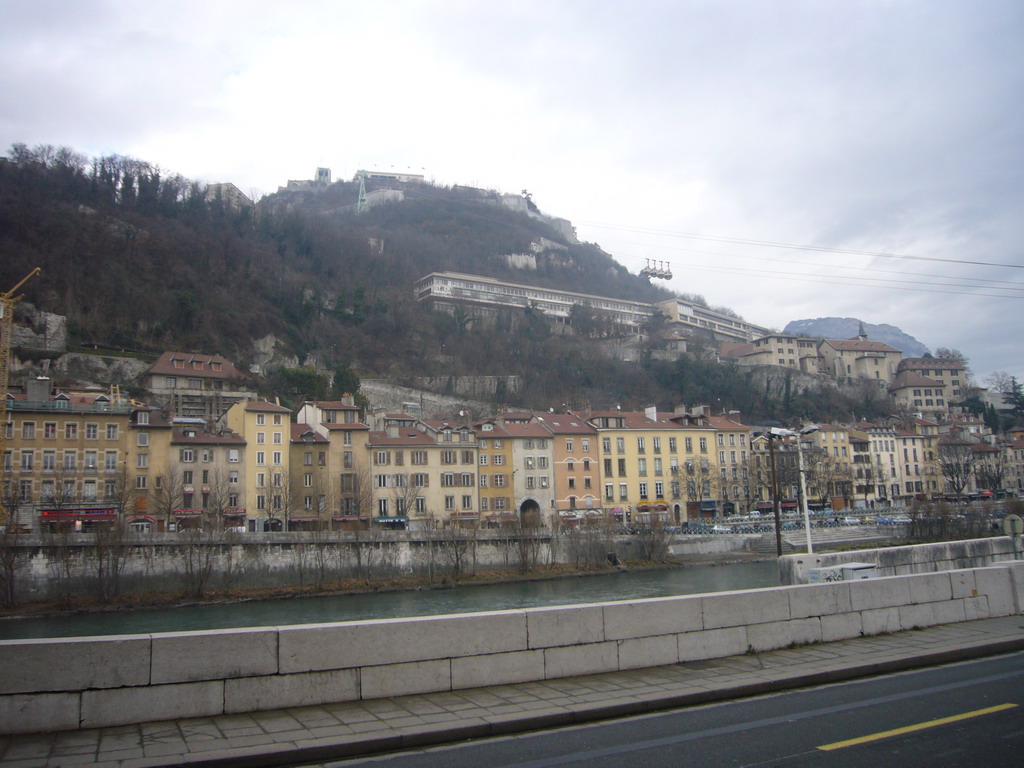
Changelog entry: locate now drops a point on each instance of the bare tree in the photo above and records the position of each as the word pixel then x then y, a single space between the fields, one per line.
pixel 529 531
pixel 167 497
pixel 196 552
pixel 957 460
pixel 825 476
pixel 13 556
pixel 991 471
pixel 110 555
pixel 1000 381
pixel 653 538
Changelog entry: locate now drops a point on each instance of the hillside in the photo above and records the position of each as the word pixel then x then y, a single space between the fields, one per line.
pixel 138 258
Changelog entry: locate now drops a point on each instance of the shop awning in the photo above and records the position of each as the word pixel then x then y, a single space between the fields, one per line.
pixel 78 513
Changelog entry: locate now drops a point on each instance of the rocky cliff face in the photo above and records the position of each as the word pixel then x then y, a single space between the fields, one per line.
pixel 848 327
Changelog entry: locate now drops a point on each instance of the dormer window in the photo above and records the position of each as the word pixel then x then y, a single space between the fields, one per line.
pixel 197 364
pixel 142 417
pixel 215 366
pixel 178 363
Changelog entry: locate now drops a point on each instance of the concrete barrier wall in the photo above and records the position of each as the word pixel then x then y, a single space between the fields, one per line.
pixel 902 561
pixel 66 684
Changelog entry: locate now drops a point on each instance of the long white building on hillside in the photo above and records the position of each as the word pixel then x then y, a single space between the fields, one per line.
pixel 487 295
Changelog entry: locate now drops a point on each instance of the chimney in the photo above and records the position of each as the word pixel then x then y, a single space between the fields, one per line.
pixel 651 412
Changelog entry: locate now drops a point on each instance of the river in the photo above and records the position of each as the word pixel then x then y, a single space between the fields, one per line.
pixel 626 585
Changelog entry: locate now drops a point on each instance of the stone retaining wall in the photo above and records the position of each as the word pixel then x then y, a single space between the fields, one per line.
pixel 66 684
pixel 901 561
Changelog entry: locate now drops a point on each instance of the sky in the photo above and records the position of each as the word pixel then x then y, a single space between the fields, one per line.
pixel 787 159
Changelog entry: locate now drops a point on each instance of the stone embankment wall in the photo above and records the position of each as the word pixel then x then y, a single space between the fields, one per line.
pixel 66 566
pixel 900 561
pixel 66 684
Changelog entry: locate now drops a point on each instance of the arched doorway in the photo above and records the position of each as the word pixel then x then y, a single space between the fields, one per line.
pixel 529 513
pixel 272 524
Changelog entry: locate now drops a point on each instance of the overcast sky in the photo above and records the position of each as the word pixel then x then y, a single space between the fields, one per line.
pixel 860 128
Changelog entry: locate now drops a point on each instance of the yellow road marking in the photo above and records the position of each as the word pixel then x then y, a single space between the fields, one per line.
pixel 918 727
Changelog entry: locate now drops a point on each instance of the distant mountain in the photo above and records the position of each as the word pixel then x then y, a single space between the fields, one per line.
pixel 849 327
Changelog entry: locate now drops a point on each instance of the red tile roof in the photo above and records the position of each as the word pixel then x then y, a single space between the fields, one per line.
pixel 859 345
pixel 195 365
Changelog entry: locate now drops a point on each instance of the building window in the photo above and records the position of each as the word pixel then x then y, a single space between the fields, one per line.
pixel 28 430
pixel 142 439
pixel 71 431
pixel 92 431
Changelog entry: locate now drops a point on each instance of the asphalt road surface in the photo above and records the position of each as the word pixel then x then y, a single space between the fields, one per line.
pixel 968 714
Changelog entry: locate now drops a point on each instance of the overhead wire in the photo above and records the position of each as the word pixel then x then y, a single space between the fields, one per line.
pixel 795 246
pixel 986 284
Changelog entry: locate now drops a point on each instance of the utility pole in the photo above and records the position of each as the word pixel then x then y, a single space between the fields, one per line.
pixel 7 302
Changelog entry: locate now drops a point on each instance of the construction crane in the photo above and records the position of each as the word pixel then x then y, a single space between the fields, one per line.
pixel 7 302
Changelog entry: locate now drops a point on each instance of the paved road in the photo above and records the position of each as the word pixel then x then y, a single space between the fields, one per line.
pixel 966 714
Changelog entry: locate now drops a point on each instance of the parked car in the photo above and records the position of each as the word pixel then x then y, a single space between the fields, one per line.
pixel 721 529
pixel 850 521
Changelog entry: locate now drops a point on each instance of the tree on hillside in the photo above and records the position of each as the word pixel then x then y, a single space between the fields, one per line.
pixel 1000 381
pixel 1015 399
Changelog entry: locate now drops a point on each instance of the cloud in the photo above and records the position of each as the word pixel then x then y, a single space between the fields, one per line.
pixel 872 126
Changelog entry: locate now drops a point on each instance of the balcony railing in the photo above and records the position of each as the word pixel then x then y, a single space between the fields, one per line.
pixel 66 407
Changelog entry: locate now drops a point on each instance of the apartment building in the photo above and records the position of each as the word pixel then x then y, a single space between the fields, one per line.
pixel 795 352
pixel 916 394
pixel 66 458
pixel 346 463
pixel 459 461
pixel 950 374
pixel 532 470
pixel 149 456
pixel 734 482
pixel 311 500
pixel 266 429
pixel 191 385
pixel 884 468
pixel 917 453
pixel 829 465
pixel 497 496
pixel 653 468
pixel 576 467
pixel 203 483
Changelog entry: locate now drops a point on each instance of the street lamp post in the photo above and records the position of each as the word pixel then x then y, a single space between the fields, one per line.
pixel 803 493
pixel 771 434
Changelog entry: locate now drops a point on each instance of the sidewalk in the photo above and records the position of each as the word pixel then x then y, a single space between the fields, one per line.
pixel 310 734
